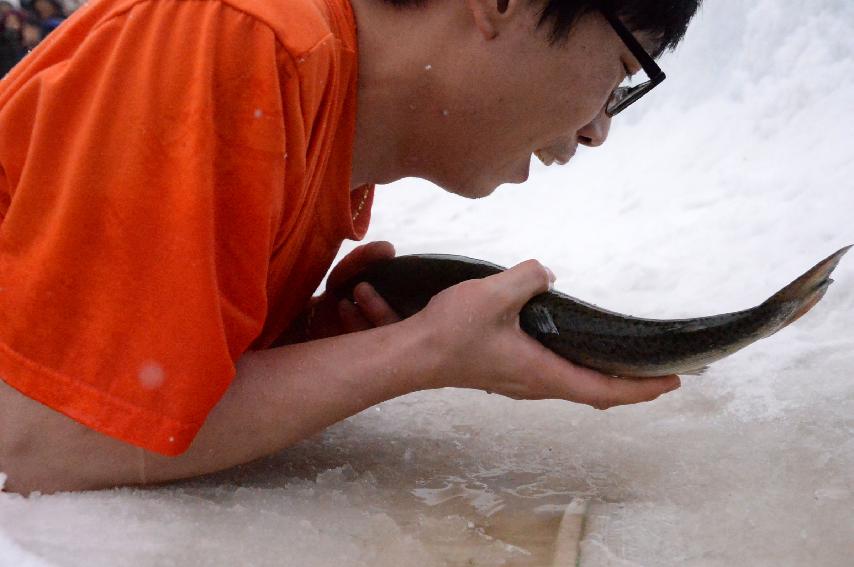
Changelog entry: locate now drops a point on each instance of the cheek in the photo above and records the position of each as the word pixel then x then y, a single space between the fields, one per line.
pixel 581 104
pixel 499 132
pixel 581 90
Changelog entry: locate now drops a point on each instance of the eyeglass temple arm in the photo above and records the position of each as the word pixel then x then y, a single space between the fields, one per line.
pixel 650 67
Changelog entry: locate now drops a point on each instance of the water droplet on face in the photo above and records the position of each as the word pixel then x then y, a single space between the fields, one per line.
pixel 428 67
pixel 445 113
pixel 151 375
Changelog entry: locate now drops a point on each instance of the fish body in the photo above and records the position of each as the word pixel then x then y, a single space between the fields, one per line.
pixel 600 339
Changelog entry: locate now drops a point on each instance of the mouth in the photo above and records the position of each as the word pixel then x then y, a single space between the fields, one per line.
pixel 548 158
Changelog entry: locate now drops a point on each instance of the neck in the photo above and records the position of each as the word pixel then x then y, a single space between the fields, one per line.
pixel 399 90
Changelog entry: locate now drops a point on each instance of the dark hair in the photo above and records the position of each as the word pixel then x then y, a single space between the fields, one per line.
pixel 666 20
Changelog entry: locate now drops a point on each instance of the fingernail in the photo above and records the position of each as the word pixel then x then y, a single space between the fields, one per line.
pixel 552 277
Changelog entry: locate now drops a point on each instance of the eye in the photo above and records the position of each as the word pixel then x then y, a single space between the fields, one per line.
pixel 632 78
pixel 628 81
pixel 628 71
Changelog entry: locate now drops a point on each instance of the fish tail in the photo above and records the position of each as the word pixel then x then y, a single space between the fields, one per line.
pixel 809 302
pixel 802 294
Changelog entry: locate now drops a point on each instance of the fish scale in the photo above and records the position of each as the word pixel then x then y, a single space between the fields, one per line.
pixel 597 338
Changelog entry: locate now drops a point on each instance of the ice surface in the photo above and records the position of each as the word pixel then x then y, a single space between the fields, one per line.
pixel 717 189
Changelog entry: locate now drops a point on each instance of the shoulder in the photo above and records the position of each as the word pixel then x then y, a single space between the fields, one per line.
pixel 299 25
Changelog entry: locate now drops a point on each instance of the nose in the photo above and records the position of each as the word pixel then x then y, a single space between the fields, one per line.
pixel 595 133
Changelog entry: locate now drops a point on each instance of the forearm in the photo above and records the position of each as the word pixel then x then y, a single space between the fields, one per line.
pixel 279 397
pixel 284 395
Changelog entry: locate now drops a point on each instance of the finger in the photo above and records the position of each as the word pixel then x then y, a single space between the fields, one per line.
pixel 602 392
pixel 373 306
pixel 583 385
pixel 356 260
pixel 352 318
pixel 623 391
pixel 522 282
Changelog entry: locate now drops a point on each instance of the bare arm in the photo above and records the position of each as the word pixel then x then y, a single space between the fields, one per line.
pixel 278 397
pixel 468 336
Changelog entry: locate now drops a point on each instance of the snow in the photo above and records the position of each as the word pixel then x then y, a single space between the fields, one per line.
pixel 721 186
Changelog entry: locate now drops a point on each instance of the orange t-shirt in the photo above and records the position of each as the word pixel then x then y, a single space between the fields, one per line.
pixel 174 184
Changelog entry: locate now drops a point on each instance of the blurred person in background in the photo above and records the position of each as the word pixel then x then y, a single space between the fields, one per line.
pixel 70 6
pixel 24 25
pixel 7 6
pixel 50 14
pixel 32 32
pixel 12 47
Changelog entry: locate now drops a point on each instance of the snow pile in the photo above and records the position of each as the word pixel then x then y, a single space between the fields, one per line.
pixel 729 180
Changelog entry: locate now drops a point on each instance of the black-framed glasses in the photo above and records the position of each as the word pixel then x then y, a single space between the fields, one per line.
pixel 623 97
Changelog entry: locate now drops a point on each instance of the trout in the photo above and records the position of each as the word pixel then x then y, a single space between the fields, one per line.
pixel 603 340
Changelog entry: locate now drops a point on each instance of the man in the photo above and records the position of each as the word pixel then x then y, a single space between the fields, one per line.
pixel 178 176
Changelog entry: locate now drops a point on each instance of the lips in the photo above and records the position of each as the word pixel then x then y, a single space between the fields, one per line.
pixel 548 157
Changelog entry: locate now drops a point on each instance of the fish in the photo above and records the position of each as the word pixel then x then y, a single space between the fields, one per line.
pixel 607 341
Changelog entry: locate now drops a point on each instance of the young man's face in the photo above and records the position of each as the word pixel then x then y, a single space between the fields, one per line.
pixel 515 94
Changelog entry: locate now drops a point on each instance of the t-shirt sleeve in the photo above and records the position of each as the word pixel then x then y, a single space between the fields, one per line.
pixel 144 205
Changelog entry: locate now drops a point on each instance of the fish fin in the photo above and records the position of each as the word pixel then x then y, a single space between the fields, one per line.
pixel 542 320
pixel 696 372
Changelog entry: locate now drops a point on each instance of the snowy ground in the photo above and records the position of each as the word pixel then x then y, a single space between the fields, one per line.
pixel 724 184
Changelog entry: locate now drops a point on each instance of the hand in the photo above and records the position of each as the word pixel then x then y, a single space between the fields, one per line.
pixel 474 333
pixel 331 316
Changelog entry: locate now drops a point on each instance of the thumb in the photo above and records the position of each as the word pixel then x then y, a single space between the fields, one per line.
pixel 523 281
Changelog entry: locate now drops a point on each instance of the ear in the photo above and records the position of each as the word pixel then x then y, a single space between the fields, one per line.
pixel 491 15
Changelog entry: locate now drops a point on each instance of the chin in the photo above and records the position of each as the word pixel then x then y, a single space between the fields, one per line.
pixel 470 188
pixel 484 180
pixel 474 191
